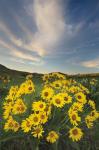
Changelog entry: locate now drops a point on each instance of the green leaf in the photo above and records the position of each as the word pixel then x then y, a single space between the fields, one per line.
pixel 75 145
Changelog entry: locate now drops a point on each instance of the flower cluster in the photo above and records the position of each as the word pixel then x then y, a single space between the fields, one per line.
pixel 5 79
pixel 14 104
pixel 62 104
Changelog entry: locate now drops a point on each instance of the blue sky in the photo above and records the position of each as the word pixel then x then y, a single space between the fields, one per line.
pixel 50 35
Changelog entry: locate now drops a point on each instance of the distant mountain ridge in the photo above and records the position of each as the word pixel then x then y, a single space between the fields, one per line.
pixel 6 70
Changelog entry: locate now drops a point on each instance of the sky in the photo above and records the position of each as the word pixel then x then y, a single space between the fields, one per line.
pixel 50 35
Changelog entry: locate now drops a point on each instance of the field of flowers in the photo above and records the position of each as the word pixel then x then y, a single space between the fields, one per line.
pixel 49 112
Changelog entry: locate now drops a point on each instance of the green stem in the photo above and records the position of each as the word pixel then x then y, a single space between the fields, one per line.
pixel 64 124
pixel 34 145
pixel 37 148
pixel 9 138
pixel 37 145
pixel 30 143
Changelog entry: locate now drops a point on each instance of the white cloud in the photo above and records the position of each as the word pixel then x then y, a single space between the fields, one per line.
pixel 10 35
pixel 17 53
pixel 20 43
pixel 91 63
pixel 52 26
pixel 23 55
pixel 17 60
pixel 48 18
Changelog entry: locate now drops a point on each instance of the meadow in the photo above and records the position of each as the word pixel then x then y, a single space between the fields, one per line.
pixel 48 112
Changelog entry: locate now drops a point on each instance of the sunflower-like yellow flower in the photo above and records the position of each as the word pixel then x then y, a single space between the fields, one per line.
pixel 60 76
pixel 37 131
pixel 26 125
pixel 26 88
pixel 47 93
pixel 65 83
pixel 58 101
pixel 83 89
pixel 47 110
pixel 74 118
pixel 45 77
pixel 77 107
pixel 38 106
pixel 19 107
pixel 57 75
pixel 75 133
pixel 43 117
pixel 81 98
pixel 57 84
pixel 52 137
pixel 92 104
pixel 16 126
pixel 35 119
pixel 29 87
pixel 22 90
pixel 66 97
pixel 12 93
pixel 89 121
pixel 73 89
pixel 11 124
pixel 7 109
pixel 94 114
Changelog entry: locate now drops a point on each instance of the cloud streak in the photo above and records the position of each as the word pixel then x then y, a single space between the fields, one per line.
pixel 19 54
pixel 49 33
pixel 10 35
pixel 50 23
pixel 51 28
pixel 91 63
pixel 19 42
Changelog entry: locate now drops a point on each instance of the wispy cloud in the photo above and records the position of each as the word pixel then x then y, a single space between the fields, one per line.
pixel 10 35
pixel 19 54
pixel 51 28
pixel 50 24
pixel 23 55
pixel 91 63
pixel 47 32
pixel 19 42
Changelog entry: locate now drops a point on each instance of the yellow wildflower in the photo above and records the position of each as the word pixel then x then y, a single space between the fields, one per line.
pixel 37 131
pixel 47 93
pixel 38 106
pixel 52 137
pixel 26 125
pixel 58 101
pixel 75 134
pixel 19 107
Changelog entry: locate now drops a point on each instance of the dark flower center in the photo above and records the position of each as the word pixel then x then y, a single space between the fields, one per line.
pixel 74 117
pixel 46 94
pixel 35 119
pixel 41 105
pixel 75 131
pixel 57 101
pixel 79 97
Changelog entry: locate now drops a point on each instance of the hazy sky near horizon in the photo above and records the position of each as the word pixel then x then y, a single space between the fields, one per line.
pixel 50 35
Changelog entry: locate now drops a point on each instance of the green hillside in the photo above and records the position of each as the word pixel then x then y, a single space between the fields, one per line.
pixel 20 141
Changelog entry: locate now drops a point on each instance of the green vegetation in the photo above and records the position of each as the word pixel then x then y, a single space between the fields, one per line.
pixel 19 141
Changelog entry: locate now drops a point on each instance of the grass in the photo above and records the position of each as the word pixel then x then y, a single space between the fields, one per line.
pixel 9 141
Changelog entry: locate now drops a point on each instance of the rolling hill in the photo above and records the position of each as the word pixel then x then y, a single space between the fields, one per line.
pixel 6 71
